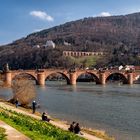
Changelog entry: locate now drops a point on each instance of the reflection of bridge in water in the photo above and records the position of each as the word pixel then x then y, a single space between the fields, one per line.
pixel 71 77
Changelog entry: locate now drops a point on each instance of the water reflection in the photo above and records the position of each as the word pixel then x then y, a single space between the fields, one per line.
pixel 6 93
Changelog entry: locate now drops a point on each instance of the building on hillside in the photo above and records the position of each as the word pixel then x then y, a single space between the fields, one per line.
pixel 129 67
pixel 36 46
pixel 50 44
pixel 81 54
pixel 67 43
pixel 137 67
pixel 136 51
pixel 120 67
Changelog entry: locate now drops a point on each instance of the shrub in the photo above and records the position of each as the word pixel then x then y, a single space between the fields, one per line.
pixel 23 90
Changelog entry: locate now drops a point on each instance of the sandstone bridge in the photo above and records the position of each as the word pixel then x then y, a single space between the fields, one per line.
pixel 71 76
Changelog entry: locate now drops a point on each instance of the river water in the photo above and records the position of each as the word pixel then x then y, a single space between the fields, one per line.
pixel 113 108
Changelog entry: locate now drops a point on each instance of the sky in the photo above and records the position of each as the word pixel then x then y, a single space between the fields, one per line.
pixel 18 18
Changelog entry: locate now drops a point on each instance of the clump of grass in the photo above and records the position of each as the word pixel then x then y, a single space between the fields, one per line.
pixel 2 134
pixel 98 133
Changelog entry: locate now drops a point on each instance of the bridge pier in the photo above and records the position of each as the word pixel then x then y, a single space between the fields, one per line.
pixel 73 78
pixel 41 78
pixel 8 78
pixel 130 78
pixel 102 78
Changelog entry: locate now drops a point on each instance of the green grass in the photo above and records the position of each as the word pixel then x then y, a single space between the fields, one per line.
pixel 2 134
pixel 35 129
pixel 87 61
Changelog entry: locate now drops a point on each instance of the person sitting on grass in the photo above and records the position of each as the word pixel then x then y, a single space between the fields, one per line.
pixel 44 117
pixel 71 128
pixel 77 129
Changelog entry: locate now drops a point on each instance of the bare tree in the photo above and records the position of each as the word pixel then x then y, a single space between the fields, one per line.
pixel 23 90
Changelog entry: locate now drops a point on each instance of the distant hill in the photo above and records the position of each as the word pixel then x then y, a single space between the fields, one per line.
pixel 117 35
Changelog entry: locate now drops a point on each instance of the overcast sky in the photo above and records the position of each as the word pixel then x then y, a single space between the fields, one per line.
pixel 19 18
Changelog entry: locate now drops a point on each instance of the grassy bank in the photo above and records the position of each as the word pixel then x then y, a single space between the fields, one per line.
pixel 97 133
pixel 35 129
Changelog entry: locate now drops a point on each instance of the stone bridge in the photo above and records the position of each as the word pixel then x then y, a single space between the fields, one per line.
pixel 71 77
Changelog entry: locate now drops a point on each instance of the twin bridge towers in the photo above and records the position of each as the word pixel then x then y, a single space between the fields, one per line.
pixel 101 77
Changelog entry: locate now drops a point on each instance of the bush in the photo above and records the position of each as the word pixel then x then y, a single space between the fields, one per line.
pixel 24 91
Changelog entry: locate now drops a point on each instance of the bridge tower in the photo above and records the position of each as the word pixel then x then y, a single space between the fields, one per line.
pixel 8 75
pixel 8 78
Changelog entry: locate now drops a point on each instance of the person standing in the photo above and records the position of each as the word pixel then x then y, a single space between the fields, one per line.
pixel 34 106
pixel 16 102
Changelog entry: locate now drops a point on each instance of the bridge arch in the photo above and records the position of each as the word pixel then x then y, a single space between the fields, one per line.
pixel 61 73
pixel 116 76
pixel 93 75
pixel 24 75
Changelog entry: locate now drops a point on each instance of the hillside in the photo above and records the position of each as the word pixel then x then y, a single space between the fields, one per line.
pixel 117 35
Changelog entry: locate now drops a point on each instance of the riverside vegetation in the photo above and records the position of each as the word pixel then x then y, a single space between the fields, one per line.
pixel 35 129
pixel 38 130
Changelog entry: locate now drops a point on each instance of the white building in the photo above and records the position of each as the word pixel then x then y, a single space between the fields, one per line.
pixel 129 67
pixel 36 46
pixel 120 67
pixel 66 43
pixel 50 43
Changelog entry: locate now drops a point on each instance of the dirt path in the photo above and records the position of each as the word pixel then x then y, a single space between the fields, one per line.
pixel 56 123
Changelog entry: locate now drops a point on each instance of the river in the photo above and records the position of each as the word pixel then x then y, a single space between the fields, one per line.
pixel 113 108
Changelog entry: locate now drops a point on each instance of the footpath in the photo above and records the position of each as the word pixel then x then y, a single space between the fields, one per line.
pixel 12 134
pixel 18 135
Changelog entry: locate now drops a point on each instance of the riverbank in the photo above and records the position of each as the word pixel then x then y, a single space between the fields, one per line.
pixel 112 108
pixel 57 123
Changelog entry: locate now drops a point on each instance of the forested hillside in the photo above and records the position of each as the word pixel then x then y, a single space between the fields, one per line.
pixel 119 36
